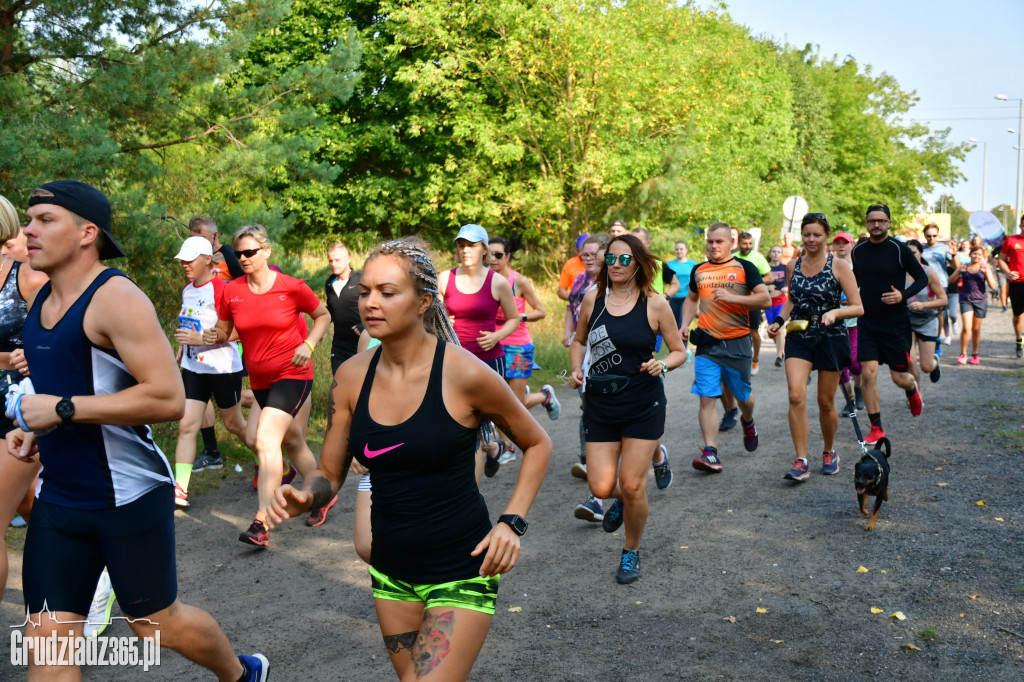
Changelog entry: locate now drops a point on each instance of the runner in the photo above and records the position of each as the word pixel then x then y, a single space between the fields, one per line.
pixel 882 264
pixel 472 295
pixel 747 253
pixel 1012 264
pixel 591 509
pixel 624 394
pixel 205 370
pixel 518 345
pixel 436 559
pixel 17 281
pixel 789 252
pixel 973 306
pixel 925 307
pixel 723 289
pixel 572 267
pixel 842 246
pixel 265 307
pixel 817 282
pixel 618 228
pixel 102 369
pixel 342 291
pixel 777 289
pixel 935 254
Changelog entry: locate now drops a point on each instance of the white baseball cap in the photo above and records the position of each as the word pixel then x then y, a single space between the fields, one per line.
pixel 193 248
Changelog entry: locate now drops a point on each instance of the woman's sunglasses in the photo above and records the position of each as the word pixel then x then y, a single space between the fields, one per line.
pixel 624 259
pixel 247 253
pixel 497 255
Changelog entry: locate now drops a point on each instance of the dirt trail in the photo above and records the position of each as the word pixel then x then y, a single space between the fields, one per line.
pixel 717 548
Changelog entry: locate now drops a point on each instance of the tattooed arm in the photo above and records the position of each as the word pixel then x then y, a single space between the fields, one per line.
pixel 335 458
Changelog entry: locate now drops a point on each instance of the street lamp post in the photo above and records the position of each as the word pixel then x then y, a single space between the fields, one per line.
pixel 1020 151
pixel 984 169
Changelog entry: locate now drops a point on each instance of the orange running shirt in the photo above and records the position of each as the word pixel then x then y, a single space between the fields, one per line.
pixel 724 320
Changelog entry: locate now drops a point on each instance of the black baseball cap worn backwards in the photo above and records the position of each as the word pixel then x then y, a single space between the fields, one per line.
pixel 879 207
pixel 83 200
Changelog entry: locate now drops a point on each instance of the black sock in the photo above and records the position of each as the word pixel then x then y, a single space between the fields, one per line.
pixel 875 418
pixel 246 673
pixel 912 391
pixel 209 438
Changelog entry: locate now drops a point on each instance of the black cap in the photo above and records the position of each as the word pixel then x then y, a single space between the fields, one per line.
pixel 83 200
pixel 880 207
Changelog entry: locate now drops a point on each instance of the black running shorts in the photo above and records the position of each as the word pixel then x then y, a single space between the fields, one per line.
pixel 886 342
pixel 286 395
pixel 67 548
pixel 226 389
pixel 1016 291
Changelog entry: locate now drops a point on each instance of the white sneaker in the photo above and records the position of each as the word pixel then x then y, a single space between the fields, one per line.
pixel 99 612
pixel 578 470
pixel 956 329
pixel 947 340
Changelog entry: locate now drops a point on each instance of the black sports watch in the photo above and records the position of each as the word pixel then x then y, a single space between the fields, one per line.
pixel 516 522
pixel 523 317
pixel 65 409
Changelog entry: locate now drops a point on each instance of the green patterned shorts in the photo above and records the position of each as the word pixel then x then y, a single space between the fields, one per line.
pixel 475 594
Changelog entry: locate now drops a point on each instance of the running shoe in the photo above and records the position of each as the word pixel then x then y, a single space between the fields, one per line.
pixel 180 497
pixel 849 410
pixel 962 360
pixel 729 419
pixel 612 518
pixel 629 566
pixel 508 455
pixel 938 349
pixel 753 368
pixel 799 472
pixel 874 435
pixel 1020 348
pixel 258 534
pixel 578 470
pixel 975 360
pixel 914 402
pixel 708 461
pixel 956 329
pixel 551 403
pixel 99 611
pixel 207 460
pixel 830 463
pixel 317 518
pixel 948 340
pixel 778 362
pixel 491 464
pixel 936 373
pixel 750 436
pixel 289 475
pixel 590 510
pixel 256 668
pixel 662 472
pixel 18 522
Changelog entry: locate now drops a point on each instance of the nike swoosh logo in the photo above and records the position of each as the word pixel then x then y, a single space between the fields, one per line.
pixel 376 453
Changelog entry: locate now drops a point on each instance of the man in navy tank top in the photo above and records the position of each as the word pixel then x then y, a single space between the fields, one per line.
pixel 102 369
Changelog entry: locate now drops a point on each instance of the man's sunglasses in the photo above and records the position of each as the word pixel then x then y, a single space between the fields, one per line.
pixel 624 260
pixel 247 253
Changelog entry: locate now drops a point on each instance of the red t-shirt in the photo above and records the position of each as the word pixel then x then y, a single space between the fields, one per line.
pixel 1013 249
pixel 268 326
pixel 573 267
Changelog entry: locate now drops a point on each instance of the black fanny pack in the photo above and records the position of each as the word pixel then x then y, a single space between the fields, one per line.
pixel 606 384
pixel 701 337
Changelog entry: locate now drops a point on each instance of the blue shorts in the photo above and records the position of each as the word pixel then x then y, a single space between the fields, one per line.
pixel 708 377
pixel 67 548
pixel 519 362
pixel 773 312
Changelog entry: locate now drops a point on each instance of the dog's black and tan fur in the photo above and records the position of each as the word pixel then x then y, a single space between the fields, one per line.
pixel 871 477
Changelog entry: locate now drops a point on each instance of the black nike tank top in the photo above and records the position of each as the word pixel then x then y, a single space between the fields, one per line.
pixel 427 513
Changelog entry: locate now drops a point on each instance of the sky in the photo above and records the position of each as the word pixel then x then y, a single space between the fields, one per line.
pixel 955 55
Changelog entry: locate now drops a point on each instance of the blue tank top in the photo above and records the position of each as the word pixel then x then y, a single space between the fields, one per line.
pixel 427 513
pixel 88 466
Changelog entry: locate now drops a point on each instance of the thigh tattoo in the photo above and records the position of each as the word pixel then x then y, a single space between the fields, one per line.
pixel 404 640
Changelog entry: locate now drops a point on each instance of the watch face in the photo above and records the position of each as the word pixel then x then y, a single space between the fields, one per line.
pixel 65 409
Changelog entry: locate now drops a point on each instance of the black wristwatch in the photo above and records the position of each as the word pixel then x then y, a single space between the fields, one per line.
pixel 523 317
pixel 65 409
pixel 516 522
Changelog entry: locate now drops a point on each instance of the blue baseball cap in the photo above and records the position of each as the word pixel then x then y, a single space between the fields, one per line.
pixel 472 233
pixel 582 238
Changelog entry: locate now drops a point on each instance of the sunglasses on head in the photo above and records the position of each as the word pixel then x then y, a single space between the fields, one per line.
pixel 247 253
pixel 815 216
pixel 624 260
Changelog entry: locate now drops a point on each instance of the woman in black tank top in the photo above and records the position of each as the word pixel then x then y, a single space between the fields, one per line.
pixel 18 281
pixel 409 411
pixel 624 395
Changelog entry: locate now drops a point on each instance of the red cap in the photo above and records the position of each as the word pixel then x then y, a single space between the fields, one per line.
pixel 843 236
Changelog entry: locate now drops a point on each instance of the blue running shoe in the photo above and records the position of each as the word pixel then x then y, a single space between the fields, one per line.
pixel 708 461
pixel 829 463
pixel 256 668
pixel 613 517
pixel 551 403
pixel 629 566
pixel 591 510
pixel 799 472
pixel 663 472
pixel 729 419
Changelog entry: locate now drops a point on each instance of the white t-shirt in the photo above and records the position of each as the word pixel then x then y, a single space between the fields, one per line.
pixel 199 312
pixel 338 284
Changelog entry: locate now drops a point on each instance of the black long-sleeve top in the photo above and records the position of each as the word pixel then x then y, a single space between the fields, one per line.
pixel 881 266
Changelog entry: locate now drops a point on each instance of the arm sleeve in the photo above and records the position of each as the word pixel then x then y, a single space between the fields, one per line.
pixel 234 267
pixel 752 274
pixel 667 273
pixel 915 270
pixel 693 279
